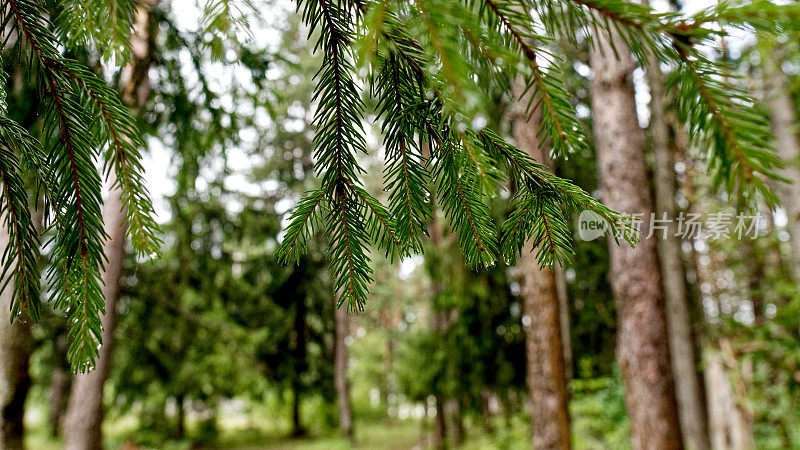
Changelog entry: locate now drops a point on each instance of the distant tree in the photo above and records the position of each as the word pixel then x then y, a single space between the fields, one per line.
pixel 474 343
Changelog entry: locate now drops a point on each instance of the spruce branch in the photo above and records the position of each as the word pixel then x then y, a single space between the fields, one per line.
pixel 102 26
pixel 82 116
pixel 303 221
pixel 338 139
pixel 397 87
pixel 720 117
pixel 20 256
pixel 559 122
pixel 428 63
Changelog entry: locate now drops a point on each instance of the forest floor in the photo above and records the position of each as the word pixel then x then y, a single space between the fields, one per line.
pixel 385 435
pixel 408 434
pixel 597 416
pixel 374 435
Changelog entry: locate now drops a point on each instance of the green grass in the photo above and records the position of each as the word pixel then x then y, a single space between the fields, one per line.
pixel 368 436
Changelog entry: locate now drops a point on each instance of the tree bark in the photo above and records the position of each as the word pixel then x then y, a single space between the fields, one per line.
pixel 84 416
pixel 59 383
pixel 692 413
pixel 180 418
pixel 440 432
pixel 755 282
pixel 563 310
pixel 297 426
pixel 642 339
pixel 784 125
pixel 456 422
pixel 546 372
pixel 730 426
pixel 15 350
pixel 340 374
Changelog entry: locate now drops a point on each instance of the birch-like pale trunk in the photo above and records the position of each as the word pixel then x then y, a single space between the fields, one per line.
pixel 731 427
pixel 785 128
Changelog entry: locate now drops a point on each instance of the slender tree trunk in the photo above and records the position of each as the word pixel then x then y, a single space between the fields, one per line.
pixel 546 372
pixel 563 310
pixel 692 413
pixel 453 410
pixel 642 339
pixel 297 426
pixel 486 412
pixel 437 320
pixel 59 384
pixel 84 416
pixel 300 354
pixel 731 428
pixel 180 419
pixel 386 357
pixel 785 128
pixel 15 349
pixel 340 373
pixel 755 282
pixel 440 432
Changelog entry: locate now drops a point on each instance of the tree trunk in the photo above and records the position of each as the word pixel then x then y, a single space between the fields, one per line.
pixel 546 373
pixel 340 374
pixel 642 339
pixel 59 383
pixel 437 320
pixel 692 413
pixel 300 355
pixel 15 350
pixel 440 432
pixel 486 412
pixel 563 310
pixel 784 126
pixel 180 417
pixel 85 411
pixel 731 428
pixel 297 426
pixel 456 422
pixel 755 282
